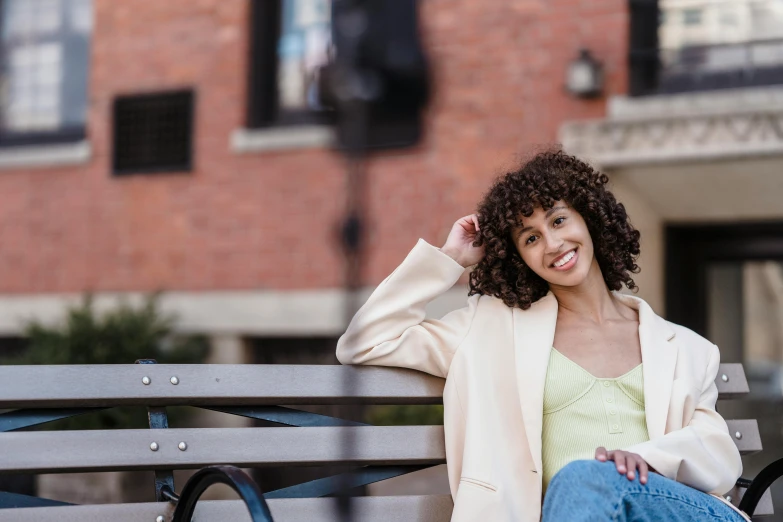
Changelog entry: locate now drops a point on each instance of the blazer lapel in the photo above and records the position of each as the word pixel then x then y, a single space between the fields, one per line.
pixel 659 358
pixel 534 333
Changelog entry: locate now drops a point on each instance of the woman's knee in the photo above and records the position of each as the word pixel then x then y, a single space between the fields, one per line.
pixel 583 472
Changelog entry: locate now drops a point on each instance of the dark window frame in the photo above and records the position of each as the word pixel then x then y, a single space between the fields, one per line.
pixel 65 133
pixel 691 248
pixel 263 108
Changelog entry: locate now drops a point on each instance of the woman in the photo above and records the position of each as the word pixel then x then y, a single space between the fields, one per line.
pixel 555 382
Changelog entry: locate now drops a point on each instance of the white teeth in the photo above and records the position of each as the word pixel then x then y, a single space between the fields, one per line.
pixel 565 259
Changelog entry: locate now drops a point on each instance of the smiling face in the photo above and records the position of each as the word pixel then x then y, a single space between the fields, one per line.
pixel 556 245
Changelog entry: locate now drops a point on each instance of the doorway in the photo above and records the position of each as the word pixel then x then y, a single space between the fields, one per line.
pixel 725 282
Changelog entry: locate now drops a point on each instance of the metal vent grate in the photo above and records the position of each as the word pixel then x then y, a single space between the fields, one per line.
pixel 153 132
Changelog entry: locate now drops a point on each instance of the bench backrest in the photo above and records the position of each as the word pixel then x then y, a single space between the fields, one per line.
pixel 43 393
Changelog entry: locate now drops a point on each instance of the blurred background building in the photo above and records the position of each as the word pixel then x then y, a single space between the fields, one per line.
pixel 173 146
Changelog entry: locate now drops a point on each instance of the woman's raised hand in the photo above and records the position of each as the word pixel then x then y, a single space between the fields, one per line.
pixel 459 244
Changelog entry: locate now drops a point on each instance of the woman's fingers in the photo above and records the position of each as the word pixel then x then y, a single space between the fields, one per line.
pixel 628 463
pixel 643 471
pixel 631 463
pixel 619 461
pixel 469 223
pixel 625 462
pixel 600 454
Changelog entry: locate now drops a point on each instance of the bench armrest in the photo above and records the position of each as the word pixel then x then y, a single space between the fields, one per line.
pixel 760 484
pixel 233 477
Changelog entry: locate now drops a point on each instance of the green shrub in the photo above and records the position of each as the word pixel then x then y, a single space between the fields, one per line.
pixel 407 415
pixel 120 336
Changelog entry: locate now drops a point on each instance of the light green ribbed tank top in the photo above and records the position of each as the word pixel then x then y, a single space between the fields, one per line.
pixel 582 412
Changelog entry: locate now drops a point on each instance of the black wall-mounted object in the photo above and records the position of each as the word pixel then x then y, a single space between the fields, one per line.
pixel 643 57
pixel 379 70
pixel 265 16
pixel 153 132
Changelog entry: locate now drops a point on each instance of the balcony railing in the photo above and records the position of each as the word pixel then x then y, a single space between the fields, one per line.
pixel 721 66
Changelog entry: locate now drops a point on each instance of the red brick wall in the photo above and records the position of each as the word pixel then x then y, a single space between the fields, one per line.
pixel 263 221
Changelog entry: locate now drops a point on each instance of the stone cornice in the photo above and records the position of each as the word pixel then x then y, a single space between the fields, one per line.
pixel 693 127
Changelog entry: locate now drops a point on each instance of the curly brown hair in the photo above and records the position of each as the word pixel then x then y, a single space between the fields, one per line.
pixel 541 181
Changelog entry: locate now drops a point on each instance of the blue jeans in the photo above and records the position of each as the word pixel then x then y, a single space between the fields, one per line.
pixel 593 490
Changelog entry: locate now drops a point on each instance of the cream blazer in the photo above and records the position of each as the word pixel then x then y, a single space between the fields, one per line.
pixel 494 359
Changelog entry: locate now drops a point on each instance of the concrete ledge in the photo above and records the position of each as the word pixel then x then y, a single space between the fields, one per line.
pixel 282 138
pixel 41 156
pixel 697 103
pixel 262 313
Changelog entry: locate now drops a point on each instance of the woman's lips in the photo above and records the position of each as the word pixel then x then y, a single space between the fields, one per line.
pixel 571 262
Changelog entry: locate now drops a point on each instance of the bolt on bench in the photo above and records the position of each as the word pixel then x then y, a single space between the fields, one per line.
pixel 41 394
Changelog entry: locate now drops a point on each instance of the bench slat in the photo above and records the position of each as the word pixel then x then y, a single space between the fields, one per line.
pixel 118 450
pixel 735 385
pixel 236 385
pixel 106 450
pixel 750 438
pixel 434 508
pixel 212 385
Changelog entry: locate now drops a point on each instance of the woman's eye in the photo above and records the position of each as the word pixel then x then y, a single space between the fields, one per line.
pixel 559 220
pixel 529 240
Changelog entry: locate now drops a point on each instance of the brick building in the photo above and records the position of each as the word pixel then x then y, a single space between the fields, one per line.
pixel 255 212
pixel 167 146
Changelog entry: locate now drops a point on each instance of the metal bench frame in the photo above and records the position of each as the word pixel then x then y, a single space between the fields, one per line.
pixel 41 394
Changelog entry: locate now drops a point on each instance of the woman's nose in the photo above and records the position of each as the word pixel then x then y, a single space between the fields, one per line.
pixel 553 243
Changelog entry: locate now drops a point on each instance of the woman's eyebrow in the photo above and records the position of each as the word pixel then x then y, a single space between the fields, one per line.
pixel 548 214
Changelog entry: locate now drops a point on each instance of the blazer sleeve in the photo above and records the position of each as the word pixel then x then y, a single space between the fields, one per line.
pixel 702 454
pixel 391 329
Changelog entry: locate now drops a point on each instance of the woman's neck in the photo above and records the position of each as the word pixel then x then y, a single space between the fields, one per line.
pixel 592 300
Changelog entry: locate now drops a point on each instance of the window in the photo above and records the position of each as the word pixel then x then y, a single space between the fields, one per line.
pixel 43 70
pixel 153 132
pixel 691 16
pixel 717 45
pixel 290 40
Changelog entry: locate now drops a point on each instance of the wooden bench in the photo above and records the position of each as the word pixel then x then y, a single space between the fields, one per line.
pixel 40 394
